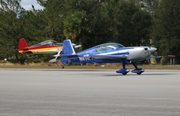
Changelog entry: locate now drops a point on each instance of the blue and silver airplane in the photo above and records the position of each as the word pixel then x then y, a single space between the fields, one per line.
pixel 107 53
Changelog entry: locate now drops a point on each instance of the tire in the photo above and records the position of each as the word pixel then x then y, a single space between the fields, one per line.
pixel 124 73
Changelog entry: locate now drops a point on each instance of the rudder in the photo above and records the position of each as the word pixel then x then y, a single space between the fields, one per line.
pixel 22 44
pixel 67 47
pixel 67 51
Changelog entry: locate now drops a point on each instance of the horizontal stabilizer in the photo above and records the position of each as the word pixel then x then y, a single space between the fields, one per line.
pixel 52 60
pixel 77 46
pixel 69 55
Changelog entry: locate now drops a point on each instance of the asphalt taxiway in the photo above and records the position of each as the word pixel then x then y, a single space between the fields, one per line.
pixel 70 92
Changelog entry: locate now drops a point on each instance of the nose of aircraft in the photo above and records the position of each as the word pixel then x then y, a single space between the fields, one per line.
pixel 151 49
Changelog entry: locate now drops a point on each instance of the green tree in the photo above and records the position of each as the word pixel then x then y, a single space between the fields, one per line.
pixel 85 22
pixel 53 15
pixel 148 5
pixel 165 32
pixel 9 27
pixel 13 5
pixel 34 26
pixel 128 23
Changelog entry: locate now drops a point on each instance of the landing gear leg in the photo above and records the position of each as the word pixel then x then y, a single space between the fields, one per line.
pixel 137 70
pixel 63 65
pixel 66 63
pixel 124 70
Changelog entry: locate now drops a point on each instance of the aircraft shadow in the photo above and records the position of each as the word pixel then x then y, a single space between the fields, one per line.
pixel 74 70
pixel 133 74
pixel 115 74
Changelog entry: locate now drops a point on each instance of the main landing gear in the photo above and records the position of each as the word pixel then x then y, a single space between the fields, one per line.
pixel 124 70
pixel 137 70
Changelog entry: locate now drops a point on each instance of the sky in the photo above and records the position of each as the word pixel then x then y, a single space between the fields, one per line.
pixel 27 4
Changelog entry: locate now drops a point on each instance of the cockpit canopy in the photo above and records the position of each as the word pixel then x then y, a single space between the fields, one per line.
pixel 48 42
pixel 108 47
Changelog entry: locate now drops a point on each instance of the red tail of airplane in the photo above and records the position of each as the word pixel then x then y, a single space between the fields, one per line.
pixel 22 44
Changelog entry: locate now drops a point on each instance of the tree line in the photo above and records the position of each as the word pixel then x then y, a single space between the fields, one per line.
pixel 91 22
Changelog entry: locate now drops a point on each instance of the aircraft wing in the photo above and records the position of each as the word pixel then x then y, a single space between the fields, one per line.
pixel 108 56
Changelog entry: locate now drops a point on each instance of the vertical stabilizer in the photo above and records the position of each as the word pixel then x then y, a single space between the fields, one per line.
pixel 67 47
pixel 22 44
pixel 67 51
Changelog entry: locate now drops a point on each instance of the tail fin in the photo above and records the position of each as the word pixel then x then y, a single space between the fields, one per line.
pixel 67 47
pixel 67 51
pixel 22 44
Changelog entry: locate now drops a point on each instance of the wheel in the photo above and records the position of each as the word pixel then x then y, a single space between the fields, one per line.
pixel 124 73
pixel 139 73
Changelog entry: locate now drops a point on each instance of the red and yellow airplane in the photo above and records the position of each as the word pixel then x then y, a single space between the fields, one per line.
pixel 45 47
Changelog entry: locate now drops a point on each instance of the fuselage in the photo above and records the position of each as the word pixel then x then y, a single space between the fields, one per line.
pixel 132 53
pixel 45 47
pixel 40 49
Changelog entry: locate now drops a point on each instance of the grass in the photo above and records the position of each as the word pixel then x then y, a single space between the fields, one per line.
pixel 89 66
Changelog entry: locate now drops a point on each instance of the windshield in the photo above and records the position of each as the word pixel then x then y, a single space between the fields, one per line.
pixel 48 42
pixel 108 46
